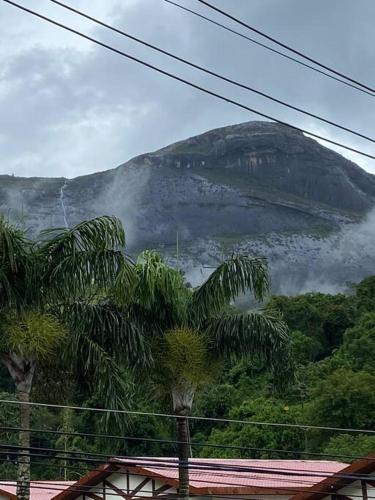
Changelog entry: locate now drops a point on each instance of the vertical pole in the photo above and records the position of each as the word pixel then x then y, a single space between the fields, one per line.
pixel 364 490
pixel 189 439
pixel 65 461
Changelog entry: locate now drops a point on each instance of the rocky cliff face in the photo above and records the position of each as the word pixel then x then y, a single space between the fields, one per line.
pixel 256 186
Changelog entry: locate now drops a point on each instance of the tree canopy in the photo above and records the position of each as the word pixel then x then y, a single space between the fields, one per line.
pixel 145 329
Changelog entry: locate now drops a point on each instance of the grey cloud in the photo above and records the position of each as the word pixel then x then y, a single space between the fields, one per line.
pixel 68 110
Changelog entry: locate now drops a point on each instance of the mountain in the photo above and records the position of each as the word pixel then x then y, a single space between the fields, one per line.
pixel 257 187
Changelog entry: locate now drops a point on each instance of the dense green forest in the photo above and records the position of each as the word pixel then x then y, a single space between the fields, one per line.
pixel 333 345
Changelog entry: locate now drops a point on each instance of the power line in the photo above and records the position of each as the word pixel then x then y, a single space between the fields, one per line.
pixel 186 82
pixel 156 463
pixel 219 471
pixel 175 442
pixel 210 72
pixel 267 47
pixel 215 469
pixel 55 486
pixel 168 463
pixel 216 472
pixel 285 46
pixel 118 463
pixel 51 485
pixel 188 417
pixel 76 488
pixel 191 468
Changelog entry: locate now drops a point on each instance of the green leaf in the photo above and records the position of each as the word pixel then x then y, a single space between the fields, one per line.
pixel 238 275
pixel 160 290
pixel 86 256
pixel 259 334
pixel 106 379
pixel 110 327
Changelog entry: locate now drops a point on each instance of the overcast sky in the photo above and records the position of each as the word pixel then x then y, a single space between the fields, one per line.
pixel 68 107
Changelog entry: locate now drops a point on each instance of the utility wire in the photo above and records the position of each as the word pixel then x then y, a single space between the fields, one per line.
pixel 120 472
pixel 172 463
pixel 76 488
pixel 51 486
pixel 210 72
pixel 188 417
pixel 285 46
pixel 194 470
pixel 232 474
pixel 175 442
pixel 214 473
pixel 238 33
pixel 184 81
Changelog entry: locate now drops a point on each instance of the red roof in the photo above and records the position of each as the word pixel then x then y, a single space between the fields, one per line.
pixel 363 466
pixel 220 476
pixel 39 490
pixel 256 474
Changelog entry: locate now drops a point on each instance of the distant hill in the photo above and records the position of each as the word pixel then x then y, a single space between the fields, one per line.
pixel 257 187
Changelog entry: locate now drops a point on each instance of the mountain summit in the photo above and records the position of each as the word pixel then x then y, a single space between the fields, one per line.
pixel 238 187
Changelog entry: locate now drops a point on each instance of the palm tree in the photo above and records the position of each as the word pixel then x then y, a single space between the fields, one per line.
pixel 53 295
pixel 194 330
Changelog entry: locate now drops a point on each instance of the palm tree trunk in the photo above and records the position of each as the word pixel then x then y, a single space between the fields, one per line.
pixel 23 473
pixel 183 456
pixel 22 372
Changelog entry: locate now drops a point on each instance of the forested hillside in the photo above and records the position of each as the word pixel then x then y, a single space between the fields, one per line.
pixel 333 341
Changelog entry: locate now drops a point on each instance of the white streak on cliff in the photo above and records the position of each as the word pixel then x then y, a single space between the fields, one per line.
pixel 62 202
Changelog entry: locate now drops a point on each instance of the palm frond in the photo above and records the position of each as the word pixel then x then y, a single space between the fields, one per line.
pixel 105 376
pixel 14 246
pixel 111 327
pixel 122 290
pixel 74 274
pixel 160 289
pixel 8 290
pixel 101 232
pixel 155 277
pixel 88 255
pixel 260 334
pixel 17 262
pixel 238 275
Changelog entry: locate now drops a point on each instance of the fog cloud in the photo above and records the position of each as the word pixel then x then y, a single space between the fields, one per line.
pixel 331 265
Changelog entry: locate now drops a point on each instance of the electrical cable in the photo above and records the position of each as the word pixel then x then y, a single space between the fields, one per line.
pixel 175 442
pixel 309 484
pixel 51 486
pixel 188 417
pixel 75 488
pixel 267 47
pixel 168 463
pixel 191 467
pixel 184 81
pixel 210 72
pixel 285 46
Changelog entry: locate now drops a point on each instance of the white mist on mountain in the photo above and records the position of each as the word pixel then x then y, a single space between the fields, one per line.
pixel 335 262
pixel 124 197
pixel 298 263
